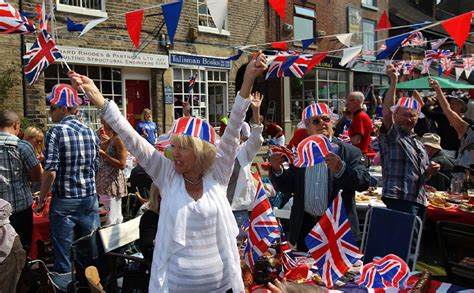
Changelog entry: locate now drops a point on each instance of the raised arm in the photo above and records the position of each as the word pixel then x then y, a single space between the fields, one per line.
pixel 454 119
pixel 231 137
pixel 387 115
pixel 150 159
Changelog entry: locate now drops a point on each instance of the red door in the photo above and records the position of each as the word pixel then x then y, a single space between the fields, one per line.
pixel 138 98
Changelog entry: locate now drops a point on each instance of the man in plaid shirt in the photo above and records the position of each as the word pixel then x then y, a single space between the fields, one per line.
pixel 18 166
pixel 71 162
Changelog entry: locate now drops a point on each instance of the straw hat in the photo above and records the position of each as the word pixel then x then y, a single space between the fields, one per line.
pixel 431 139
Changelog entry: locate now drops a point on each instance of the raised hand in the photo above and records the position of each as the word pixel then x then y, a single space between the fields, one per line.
pixel 256 100
pixel 434 84
pixel 392 72
pixel 83 83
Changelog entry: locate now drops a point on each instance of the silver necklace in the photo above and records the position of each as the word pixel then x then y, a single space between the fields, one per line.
pixel 192 183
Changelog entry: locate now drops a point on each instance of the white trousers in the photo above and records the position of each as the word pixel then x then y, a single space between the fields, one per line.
pixel 113 206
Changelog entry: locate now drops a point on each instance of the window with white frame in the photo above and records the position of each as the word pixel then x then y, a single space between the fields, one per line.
pixel 204 17
pixel 369 3
pixel 86 7
pixel 303 23
pixel 182 93
pixel 369 35
pixel 107 79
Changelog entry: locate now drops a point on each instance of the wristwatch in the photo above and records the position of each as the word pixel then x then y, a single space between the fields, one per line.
pixel 104 107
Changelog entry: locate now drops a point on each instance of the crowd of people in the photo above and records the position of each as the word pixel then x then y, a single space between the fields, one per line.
pixel 200 200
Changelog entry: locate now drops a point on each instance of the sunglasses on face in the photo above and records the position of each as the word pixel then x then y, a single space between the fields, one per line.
pixel 54 107
pixel 316 121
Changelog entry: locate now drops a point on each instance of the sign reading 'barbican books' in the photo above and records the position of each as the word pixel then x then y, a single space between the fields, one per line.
pixel 76 55
pixel 183 59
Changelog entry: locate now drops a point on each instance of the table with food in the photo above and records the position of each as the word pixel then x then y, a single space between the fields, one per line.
pixel 447 207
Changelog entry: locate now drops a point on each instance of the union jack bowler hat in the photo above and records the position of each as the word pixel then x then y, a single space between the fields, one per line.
pixel 64 95
pixel 195 127
pixel 409 103
pixel 315 110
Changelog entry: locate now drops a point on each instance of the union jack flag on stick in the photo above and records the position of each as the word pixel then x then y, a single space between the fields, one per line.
pixel 414 39
pixel 331 244
pixel 40 56
pixel 263 229
pixel 11 21
pixel 312 150
pixel 284 151
pixel 344 136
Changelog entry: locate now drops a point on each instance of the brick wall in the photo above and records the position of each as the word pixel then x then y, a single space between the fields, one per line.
pixel 245 23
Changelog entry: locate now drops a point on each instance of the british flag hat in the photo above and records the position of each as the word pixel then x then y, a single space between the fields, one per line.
pixel 195 127
pixel 409 103
pixel 64 95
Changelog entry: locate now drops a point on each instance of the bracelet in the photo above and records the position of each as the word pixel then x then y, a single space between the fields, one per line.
pixel 104 107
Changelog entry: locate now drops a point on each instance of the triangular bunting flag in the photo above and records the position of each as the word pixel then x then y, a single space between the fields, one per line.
pixel 280 7
pixel 134 22
pixel 458 27
pixel 437 43
pixel 349 53
pixel 383 22
pixel 236 56
pixel 218 11
pixel 279 45
pixel 92 24
pixel 73 27
pixel 426 66
pixel 458 71
pixel 392 45
pixel 345 39
pixel 317 58
pixel 171 14
pixel 306 43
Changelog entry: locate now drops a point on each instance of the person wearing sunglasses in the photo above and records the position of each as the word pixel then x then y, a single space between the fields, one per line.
pixel 315 187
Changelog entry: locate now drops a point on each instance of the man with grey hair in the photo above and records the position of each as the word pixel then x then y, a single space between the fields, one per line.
pixel 361 126
pixel 18 166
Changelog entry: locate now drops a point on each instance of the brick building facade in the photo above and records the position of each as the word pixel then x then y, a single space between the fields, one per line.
pixel 156 77
pixel 327 82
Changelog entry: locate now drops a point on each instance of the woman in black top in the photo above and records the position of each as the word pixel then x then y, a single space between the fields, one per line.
pixel 149 224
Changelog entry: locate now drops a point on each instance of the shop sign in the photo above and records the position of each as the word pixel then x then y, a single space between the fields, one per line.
pixel 330 62
pixel 76 55
pixel 369 67
pixel 184 59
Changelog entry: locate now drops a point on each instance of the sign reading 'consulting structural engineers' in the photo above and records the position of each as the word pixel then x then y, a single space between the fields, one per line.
pixel 183 59
pixel 111 58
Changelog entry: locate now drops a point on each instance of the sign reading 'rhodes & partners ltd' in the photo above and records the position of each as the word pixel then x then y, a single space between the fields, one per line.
pixel 112 58
pixel 183 59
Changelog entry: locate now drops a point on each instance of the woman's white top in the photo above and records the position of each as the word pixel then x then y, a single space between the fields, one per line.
pixel 175 236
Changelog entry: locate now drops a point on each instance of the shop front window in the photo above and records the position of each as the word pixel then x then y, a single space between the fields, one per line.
pixel 107 79
pixel 320 85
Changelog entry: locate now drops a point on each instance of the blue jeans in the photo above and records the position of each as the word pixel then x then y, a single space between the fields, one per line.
pixel 64 216
pixel 406 206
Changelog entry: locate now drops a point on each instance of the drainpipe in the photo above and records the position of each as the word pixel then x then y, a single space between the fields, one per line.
pixel 22 53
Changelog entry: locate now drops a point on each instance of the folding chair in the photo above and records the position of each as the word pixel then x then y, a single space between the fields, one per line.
pixel 389 231
pixel 119 236
pixel 456 242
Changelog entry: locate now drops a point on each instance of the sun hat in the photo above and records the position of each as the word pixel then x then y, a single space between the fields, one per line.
pixel 64 95
pixel 409 103
pixel 431 139
pixel 315 110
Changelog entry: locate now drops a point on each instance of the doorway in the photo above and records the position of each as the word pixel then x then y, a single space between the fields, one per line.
pixel 138 98
pixel 216 103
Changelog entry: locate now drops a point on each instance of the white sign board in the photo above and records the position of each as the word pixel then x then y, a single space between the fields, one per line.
pixel 76 55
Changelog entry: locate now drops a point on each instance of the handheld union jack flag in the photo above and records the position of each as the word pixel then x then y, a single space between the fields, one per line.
pixel 331 244
pixel 263 229
pixel 11 21
pixel 64 95
pixel 344 136
pixel 437 54
pixel 192 81
pixel 195 127
pixel 40 56
pixel 288 64
pixel 468 62
pixel 282 150
pixel 393 270
pixel 288 259
pixel 414 39
pixel 312 150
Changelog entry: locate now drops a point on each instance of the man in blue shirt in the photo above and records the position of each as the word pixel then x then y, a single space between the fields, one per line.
pixel 71 162
pixel 147 128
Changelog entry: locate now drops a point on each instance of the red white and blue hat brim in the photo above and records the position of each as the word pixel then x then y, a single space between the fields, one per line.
pixel 64 95
pixel 394 108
